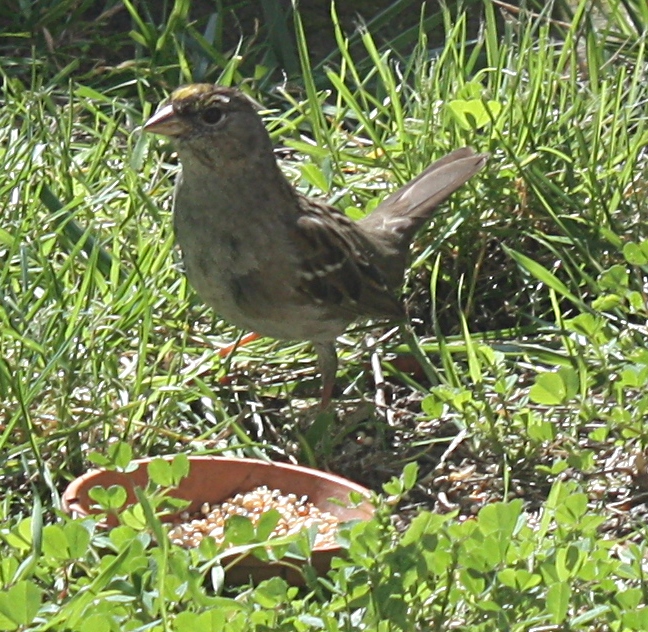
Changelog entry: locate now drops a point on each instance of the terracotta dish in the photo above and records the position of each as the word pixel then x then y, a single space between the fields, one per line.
pixel 215 479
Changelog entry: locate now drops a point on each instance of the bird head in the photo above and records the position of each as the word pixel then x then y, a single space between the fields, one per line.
pixel 207 119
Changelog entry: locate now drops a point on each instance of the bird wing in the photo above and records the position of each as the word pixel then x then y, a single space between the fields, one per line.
pixel 338 264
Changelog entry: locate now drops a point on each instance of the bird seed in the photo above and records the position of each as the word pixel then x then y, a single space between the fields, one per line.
pixel 297 513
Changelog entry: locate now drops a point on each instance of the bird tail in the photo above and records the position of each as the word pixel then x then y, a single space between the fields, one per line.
pixel 402 214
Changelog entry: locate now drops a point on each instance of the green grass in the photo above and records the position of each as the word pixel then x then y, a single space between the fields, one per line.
pixel 514 457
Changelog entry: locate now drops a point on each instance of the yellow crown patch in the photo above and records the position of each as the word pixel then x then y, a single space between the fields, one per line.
pixel 192 91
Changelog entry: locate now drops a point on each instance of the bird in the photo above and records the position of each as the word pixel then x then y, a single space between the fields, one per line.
pixel 266 257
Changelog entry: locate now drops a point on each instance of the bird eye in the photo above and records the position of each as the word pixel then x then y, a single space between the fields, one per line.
pixel 212 115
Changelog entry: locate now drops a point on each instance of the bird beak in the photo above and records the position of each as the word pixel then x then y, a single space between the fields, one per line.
pixel 166 122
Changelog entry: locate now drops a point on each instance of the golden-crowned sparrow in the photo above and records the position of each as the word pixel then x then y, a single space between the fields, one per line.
pixel 266 257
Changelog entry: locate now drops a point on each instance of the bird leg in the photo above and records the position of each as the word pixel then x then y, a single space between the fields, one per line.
pixel 327 360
